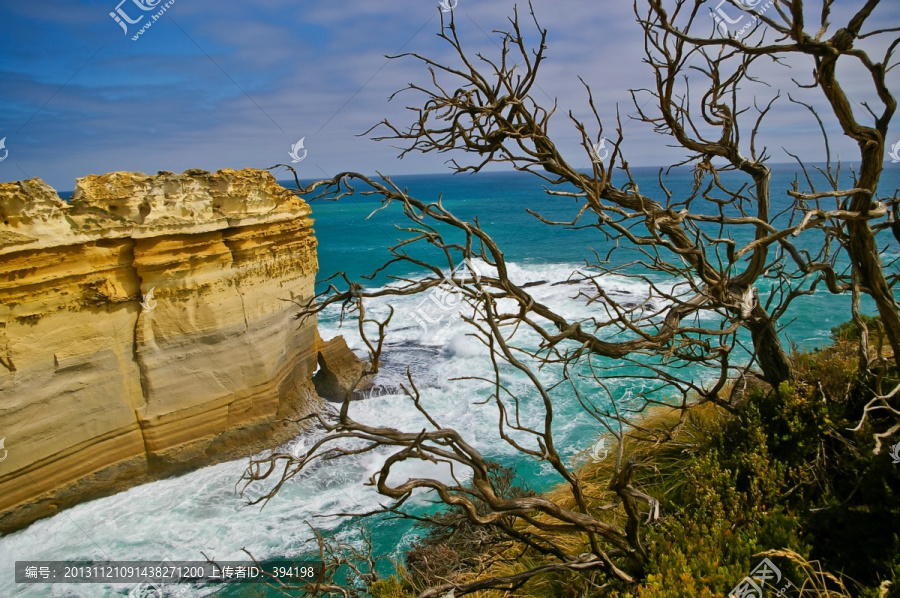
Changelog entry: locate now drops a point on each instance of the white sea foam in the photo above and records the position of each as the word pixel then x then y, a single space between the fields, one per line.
pixel 178 518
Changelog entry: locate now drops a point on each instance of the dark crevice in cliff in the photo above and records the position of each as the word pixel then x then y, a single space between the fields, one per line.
pixel 4 350
pixel 234 264
pixel 139 363
pixel 135 354
pixel 237 289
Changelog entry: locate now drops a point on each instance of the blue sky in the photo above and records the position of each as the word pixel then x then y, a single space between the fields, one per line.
pixel 229 85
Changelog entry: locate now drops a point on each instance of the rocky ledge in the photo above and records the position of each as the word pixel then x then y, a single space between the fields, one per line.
pixel 146 328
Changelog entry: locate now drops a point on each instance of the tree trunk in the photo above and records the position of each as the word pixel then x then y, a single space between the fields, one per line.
pixel 863 250
pixel 773 361
pixel 861 247
pixel 864 253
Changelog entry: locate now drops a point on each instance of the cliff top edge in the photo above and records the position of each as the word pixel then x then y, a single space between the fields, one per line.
pixel 135 204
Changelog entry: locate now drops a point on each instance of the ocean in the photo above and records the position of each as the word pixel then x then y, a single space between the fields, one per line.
pixel 200 513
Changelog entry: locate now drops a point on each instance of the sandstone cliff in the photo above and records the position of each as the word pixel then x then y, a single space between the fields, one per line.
pixel 98 392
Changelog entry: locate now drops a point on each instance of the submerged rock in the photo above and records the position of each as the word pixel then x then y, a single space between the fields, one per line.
pixel 340 371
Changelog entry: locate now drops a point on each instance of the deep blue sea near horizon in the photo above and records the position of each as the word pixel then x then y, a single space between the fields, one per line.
pixel 177 518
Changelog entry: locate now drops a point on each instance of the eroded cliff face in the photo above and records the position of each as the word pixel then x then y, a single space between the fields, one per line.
pixel 98 392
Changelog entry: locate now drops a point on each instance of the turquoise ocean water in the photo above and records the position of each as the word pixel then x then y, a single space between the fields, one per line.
pixel 178 518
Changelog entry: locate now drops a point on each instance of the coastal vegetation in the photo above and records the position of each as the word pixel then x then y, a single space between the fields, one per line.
pixel 786 468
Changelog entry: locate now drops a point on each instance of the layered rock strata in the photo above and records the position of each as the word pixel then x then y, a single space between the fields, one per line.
pixel 146 327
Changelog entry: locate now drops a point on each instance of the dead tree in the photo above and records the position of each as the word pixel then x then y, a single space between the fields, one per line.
pixel 706 316
pixel 858 215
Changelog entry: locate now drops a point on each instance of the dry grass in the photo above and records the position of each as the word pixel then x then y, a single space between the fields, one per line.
pixel 817 583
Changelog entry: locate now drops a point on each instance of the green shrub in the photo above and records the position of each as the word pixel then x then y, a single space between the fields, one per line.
pixel 849 330
pixel 391 588
pixel 784 472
